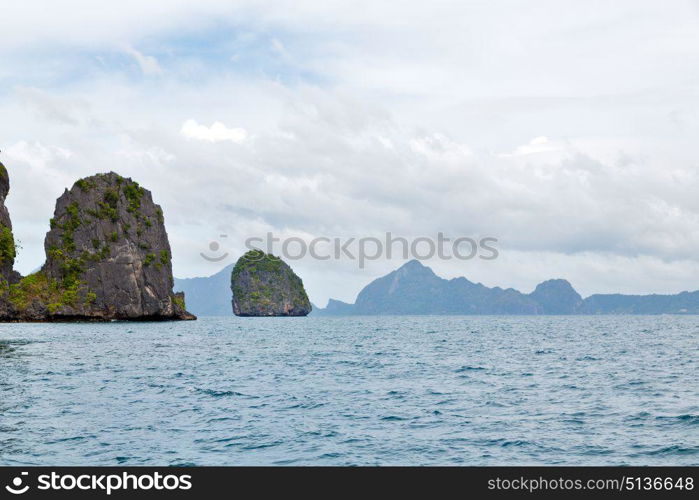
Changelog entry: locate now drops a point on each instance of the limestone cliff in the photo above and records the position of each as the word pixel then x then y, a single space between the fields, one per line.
pixel 107 258
pixel 7 241
pixel 7 246
pixel 264 285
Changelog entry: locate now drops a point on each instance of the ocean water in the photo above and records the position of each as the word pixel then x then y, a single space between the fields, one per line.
pixel 353 391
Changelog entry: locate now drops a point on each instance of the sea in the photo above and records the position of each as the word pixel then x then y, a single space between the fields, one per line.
pixel 391 390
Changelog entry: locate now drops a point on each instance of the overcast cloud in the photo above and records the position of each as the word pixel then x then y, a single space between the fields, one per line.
pixel 566 129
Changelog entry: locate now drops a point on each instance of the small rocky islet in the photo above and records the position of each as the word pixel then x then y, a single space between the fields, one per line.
pixel 264 285
pixel 108 257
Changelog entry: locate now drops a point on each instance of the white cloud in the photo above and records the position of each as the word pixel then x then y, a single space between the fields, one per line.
pixel 438 146
pixel 217 132
pixel 36 155
pixel 537 145
pixel 361 118
pixel 149 65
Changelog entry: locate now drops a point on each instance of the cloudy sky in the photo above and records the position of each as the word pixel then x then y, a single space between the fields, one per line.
pixel 566 129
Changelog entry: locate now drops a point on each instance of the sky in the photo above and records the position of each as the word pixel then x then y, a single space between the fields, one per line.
pixel 565 129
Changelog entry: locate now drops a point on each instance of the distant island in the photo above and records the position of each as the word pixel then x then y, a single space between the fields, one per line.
pixel 415 289
pixel 210 295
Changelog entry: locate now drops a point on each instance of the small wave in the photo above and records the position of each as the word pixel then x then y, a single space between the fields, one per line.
pixel 222 419
pixel 262 445
pixel 396 393
pixel 305 406
pixel 680 419
pixel 19 342
pixel 516 443
pixel 6 350
pixel 596 450
pixel 218 394
pixel 638 417
pixel 469 369
pixel 572 387
pixel 674 450
pixel 70 439
pixel 321 433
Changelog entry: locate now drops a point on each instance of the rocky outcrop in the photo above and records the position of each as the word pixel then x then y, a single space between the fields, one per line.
pixel 107 258
pixel 7 247
pixel 264 285
pixel 7 240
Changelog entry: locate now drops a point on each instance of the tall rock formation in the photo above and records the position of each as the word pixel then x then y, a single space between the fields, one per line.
pixel 264 285
pixel 7 240
pixel 7 248
pixel 107 258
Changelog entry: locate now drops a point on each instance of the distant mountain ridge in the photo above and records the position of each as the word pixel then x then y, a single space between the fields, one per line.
pixel 209 296
pixel 416 289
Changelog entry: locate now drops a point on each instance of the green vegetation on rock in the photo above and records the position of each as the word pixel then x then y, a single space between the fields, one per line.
pixel 39 288
pixel 149 259
pixel 133 193
pixel 84 184
pixel 8 250
pixel 102 228
pixel 179 302
pixel 263 285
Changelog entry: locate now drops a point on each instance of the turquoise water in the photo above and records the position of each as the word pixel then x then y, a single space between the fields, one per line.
pixel 361 390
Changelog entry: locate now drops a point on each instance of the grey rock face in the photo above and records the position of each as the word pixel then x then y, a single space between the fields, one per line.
pixel 264 285
pixel 107 258
pixel 108 238
pixel 7 246
pixel 7 242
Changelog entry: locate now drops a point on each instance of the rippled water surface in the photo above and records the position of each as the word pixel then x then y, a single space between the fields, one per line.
pixel 332 391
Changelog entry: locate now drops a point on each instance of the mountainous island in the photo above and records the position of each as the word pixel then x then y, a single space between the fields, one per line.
pixel 208 296
pixel 416 289
pixel 264 285
pixel 108 258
